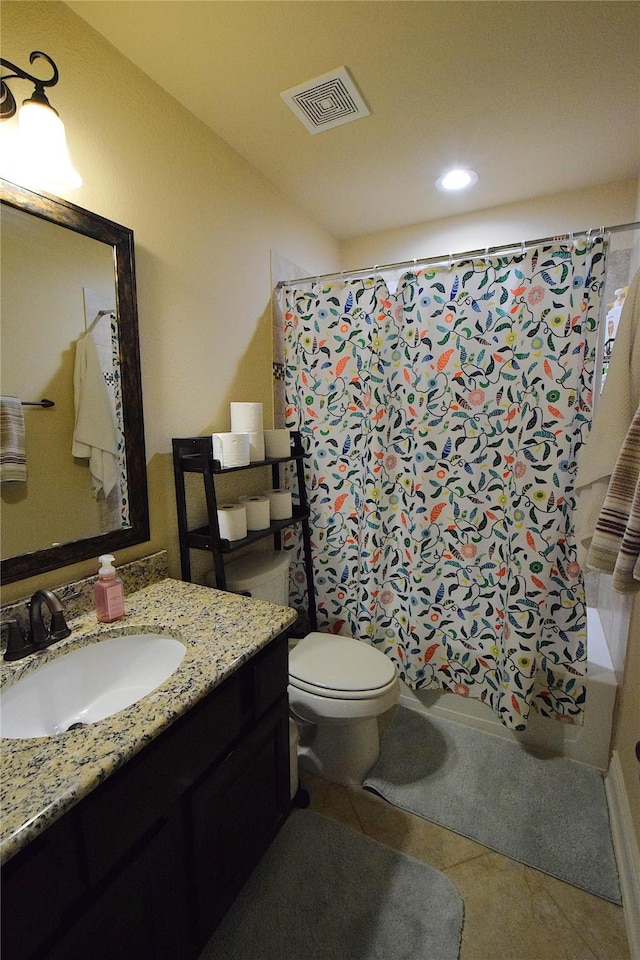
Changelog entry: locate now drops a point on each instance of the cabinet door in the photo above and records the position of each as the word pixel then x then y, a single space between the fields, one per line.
pixel 135 799
pixel 235 813
pixel 141 914
pixel 269 672
pixel 41 885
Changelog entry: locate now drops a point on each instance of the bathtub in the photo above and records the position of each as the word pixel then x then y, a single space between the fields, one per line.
pixel 588 743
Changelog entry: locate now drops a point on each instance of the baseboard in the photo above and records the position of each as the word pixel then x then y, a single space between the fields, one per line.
pixel 627 852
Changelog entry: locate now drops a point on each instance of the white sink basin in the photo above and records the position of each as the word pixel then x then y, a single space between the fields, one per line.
pixel 88 684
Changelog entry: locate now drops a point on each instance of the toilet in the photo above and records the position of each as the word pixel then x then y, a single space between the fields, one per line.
pixel 338 687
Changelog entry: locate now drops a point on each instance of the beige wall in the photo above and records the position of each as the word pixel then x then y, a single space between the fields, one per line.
pixel 609 204
pixel 204 223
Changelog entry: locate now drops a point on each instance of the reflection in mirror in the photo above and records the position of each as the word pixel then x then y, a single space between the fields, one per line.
pixel 69 333
pixel 65 312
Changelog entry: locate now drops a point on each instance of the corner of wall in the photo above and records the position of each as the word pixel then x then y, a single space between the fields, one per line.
pixel 627 852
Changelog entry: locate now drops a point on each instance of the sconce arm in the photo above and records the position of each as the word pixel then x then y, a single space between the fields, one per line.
pixel 7 99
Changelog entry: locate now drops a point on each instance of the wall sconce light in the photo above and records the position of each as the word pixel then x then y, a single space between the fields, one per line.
pixel 42 158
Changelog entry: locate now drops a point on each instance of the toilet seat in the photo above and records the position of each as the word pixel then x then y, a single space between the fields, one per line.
pixel 340 668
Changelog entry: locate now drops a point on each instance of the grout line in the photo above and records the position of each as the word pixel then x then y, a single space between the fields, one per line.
pixel 569 920
pixel 476 856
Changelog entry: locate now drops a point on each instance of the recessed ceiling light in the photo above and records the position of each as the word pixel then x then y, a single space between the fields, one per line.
pixel 456 180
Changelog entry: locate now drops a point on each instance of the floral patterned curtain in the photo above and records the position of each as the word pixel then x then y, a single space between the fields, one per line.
pixel 442 424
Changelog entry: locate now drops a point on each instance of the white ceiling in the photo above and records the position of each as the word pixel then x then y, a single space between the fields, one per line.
pixel 538 97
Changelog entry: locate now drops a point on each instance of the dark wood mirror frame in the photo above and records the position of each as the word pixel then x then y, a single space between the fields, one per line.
pixel 120 238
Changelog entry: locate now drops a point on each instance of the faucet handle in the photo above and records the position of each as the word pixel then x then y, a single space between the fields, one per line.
pixel 18 646
pixel 58 629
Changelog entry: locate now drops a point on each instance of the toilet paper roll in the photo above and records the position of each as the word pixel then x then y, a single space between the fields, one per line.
pixel 258 512
pixel 232 520
pixel 246 417
pixel 281 504
pixel 256 446
pixel 231 449
pixel 277 443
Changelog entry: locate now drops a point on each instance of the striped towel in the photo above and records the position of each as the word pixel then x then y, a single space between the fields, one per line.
pixel 612 415
pixel 615 546
pixel 13 454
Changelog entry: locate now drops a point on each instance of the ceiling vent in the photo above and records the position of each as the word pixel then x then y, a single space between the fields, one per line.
pixel 327 101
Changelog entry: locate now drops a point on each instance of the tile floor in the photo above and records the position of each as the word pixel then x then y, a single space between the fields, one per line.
pixel 512 912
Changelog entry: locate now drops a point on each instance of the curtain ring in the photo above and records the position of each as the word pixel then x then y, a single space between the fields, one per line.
pixel 450 264
pixel 522 249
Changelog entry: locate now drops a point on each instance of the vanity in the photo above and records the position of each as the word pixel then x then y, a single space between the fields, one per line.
pixel 131 837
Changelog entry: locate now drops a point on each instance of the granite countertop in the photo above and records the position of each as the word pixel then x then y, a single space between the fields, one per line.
pixel 44 777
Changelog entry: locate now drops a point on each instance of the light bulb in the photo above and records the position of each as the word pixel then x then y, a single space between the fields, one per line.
pixel 456 180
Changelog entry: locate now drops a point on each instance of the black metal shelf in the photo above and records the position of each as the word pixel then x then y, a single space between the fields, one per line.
pixel 195 455
pixel 201 539
pixel 192 463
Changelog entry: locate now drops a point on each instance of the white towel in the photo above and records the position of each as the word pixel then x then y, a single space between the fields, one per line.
pixel 95 436
pixel 612 418
pixel 13 454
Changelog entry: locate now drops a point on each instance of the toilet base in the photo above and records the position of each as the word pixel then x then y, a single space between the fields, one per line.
pixel 340 751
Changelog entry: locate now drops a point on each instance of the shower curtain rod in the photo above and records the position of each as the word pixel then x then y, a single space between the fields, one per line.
pixel 469 254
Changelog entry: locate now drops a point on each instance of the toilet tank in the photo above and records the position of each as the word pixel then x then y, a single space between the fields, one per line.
pixel 265 574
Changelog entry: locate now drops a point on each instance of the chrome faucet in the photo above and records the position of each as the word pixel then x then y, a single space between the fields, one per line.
pixel 40 636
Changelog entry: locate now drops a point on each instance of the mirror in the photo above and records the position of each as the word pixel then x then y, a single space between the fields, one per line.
pixel 70 335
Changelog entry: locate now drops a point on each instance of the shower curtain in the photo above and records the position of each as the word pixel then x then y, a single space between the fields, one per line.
pixel 442 424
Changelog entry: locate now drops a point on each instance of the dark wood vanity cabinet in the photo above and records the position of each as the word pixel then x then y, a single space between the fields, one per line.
pixel 142 912
pixel 147 864
pixel 233 813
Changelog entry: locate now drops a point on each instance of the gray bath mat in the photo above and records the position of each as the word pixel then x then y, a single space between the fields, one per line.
pixel 549 813
pixel 325 892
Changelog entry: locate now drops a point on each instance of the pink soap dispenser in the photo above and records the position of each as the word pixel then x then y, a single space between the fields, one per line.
pixel 108 592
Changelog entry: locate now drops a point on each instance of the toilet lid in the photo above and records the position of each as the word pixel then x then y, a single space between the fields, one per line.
pixel 339 663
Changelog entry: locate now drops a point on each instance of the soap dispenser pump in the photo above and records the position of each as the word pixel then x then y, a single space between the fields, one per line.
pixel 108 592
